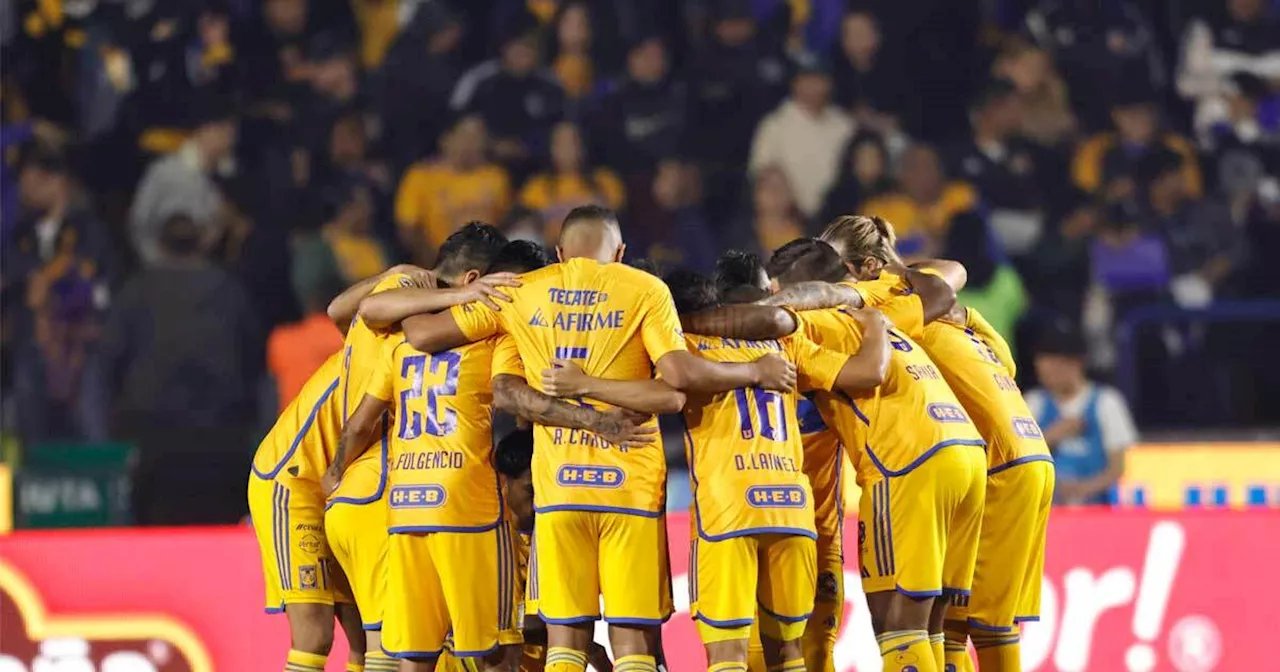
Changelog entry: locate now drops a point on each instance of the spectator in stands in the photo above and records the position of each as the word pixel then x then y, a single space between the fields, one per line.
pixel 994 286
pixel 349 165
pixel 349 234
pixel 804 138
pixel 922 205
pixel 333 91
pixel 572 45
pixel 183 183
pixel 641 118
pixel 1087 425
pixel 57 270
pixel 1130 269
pixel 379 24
pixel 775 218
pixel 1203 241
pixel 436 198
pixel 522 223
pixel 296 350
pixel 413 88
pixel 1216 49
pixel 670 227
pixel 997 161
pixel 869 80
pixel 570 182
pixel 864 174
pixel 518 99
pixel 1102 48
pixel 1057 269
pixel 1106 163
pixel 735 79
pixel 182 355
pixel 1047 118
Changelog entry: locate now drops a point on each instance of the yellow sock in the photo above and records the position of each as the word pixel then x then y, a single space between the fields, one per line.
pixel 354 667
pixel 998 652
pixel 906 651
pixel 956 651
pixel 793 665
pixel 728 667
pixel 562 659
pixel 301 661
pixel 636 664
pixel 936 644
pixel 377 661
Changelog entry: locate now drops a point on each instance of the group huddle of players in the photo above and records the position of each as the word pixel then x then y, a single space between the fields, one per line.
pixel 382 498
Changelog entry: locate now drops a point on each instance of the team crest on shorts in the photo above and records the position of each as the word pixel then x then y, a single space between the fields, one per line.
pixel 308 577
pixel 310 544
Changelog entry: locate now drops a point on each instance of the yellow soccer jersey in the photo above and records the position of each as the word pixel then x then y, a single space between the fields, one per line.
pixel 908 418
pixel 361 357
pixel 615 322
pixel 304 439
pixel 823 464
pixel 440 467
pixel 744 447
pixel 987 390
pixel 892 296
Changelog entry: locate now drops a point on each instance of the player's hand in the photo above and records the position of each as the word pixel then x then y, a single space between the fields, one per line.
pixel 869 318
pixel 421 277
pixel 776 373
pixel 329 483
pixel 625 428
pixel 486 290
pixel 564 379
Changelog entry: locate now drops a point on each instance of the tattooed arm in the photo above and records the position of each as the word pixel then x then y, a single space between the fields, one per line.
pixel 749 322
pixel 357 436
pixel 815 295
pixel 514 395
pixel 567 379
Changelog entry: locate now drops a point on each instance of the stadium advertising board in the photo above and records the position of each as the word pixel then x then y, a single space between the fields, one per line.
pixel 1124 590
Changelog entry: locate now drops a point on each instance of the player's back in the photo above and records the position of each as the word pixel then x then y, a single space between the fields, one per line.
pixel 910 416
pixel 744 451
pixel 441 473
pixel 302 443
pixel 972 367
pixel 614 321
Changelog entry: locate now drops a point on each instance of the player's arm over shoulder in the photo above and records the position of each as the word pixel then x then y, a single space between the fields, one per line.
pixel 462 324
pixel 822 368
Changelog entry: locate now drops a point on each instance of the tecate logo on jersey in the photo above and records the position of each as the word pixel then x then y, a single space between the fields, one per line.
pixel 31 640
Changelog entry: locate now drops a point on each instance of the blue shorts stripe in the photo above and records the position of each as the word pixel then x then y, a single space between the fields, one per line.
pixel 506 576
pixel 533 566
pixel 693 570
pixel 280 539
pixel 888 530
pixel 288 549
pixel 882 565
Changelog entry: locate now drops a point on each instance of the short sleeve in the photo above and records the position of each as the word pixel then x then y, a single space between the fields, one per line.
pixel 817 368
pixel 394 281
pixel 983 329
pixel 906 312
pixel 660 330
pixel 381 383
pixel 476 320
pixel 506 358
pixel 1118 432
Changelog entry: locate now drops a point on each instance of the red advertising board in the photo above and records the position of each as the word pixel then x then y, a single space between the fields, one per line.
pixel 1124 590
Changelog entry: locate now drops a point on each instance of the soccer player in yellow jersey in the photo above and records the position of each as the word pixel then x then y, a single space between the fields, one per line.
pixel 286 504
pixel 450 573
pixel 978 365
pixel 741 278
pixel 753 505
pixel 599 506
pixel 916 457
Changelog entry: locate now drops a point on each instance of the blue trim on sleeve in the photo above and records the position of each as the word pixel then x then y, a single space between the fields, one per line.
pixel 843 396
pixel 1021 460
pixel 297 439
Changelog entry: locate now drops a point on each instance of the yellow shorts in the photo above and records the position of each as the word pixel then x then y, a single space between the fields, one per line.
pixel 732 576
pixel 464 583
pixel 918 532
pixel 358 537
pixel 1006 582
pixel 579 556
pixel 289 524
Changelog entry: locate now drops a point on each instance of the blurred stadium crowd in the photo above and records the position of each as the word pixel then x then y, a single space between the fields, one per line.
pixel 186 183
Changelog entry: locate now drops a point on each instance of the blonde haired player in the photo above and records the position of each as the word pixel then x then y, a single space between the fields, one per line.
pixel 600 530
pixel 978 365
pixel 286 506
pixel 753 507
